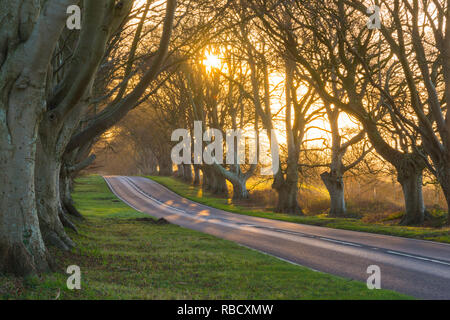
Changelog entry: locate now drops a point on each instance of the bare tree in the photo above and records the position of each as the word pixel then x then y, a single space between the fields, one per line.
pixel 29 217
pixel 332 44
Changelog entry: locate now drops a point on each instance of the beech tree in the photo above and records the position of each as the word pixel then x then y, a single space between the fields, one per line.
pixel 40 114
pixel 418 34
pixel 343 53
pixel 334 178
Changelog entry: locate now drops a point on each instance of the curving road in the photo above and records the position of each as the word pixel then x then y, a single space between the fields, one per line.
pixel 415 267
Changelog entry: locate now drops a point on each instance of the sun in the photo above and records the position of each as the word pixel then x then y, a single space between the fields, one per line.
pixel 211 61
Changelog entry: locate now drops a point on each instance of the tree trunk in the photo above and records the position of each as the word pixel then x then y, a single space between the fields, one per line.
pixel 206 182
pixel 213 182
pixel 444 181
pixel 196 175
pixel 22 104
pixel 180 171
pixel 217 183
pixel 48 168
pixel 65 193
pixel 287 199
pixel 240 191
pixel 411 182
pixel 287 189
pixel 206 178
pixel 335 186
pixel 22 249
pixel 165 166
pixel 187 173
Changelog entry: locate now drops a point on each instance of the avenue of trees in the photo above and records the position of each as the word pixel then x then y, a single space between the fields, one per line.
pixel 138 70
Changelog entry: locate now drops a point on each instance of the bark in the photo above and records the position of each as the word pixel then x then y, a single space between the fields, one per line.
pixel 287 199
pixel 73 163
pixel 236 177
pixel 30 43
pixel 48 167
pixel 22 249
pixel 187 173
pixel 165 166
pixel 62 118
pixel 334 178
pixel 215 183
pixel 220 185
pixel 68 206
pixel 65 193
pixel 240 189
pixel 180 171
pixel 335 186
pixel 287 188
pixel 206 178
pixel 410 178
pixel 444 181
pixel 196 175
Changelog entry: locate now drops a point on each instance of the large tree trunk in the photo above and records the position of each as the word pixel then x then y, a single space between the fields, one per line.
pixel 23 73
pixel 409 174
pixel 411 182
pixel 287 199
pixel 236 177
pixel 213 182
pixel 240 191
pixel 22 249
pixel 48 168
pixel 218 184
pixel 335 186
pixel 287 189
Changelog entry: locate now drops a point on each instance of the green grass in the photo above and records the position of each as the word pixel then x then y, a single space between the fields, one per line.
pixel 196 194
pixel 124 258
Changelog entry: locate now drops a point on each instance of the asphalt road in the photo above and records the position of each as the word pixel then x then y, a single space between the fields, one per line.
pixel 415 267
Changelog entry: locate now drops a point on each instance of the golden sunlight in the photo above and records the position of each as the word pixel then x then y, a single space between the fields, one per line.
pixel 212 61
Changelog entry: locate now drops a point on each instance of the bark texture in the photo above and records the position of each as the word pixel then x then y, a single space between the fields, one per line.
pixel 187 173
pixel 196 175
pixel 335 186
pixel 28 35
pixel 48 168
pixel 410 177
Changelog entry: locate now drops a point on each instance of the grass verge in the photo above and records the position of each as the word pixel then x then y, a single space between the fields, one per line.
pixel 196 194
pixel 122 256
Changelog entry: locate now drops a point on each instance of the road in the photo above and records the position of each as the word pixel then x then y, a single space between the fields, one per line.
pixel 414 267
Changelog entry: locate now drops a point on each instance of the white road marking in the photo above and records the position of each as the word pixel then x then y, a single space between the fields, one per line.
pixel 343 242
pixel 250 227
pixel 417 257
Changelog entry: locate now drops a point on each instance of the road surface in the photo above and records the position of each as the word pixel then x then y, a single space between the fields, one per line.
pixel 415 267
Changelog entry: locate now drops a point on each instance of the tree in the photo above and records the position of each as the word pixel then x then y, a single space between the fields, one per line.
pixel 334 178
pixel 419 36
pixel 40 113
pixel 336 50
pixel 27 42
